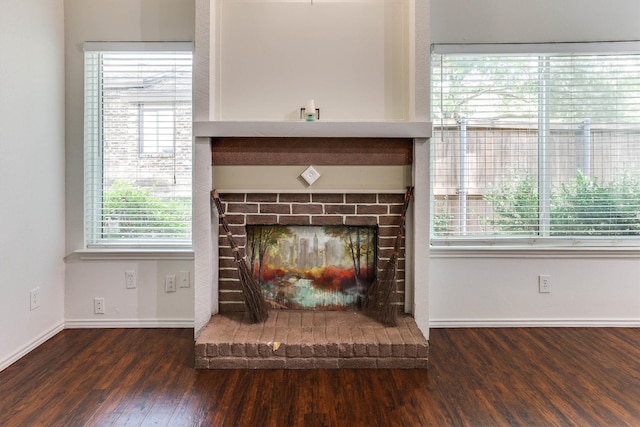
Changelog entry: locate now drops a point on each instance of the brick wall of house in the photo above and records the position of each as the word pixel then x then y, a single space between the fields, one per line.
pixel 383 210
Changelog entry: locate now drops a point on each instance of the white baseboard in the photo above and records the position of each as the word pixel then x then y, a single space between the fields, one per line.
pixel 5 363
pixel 534 323
pixel 128 323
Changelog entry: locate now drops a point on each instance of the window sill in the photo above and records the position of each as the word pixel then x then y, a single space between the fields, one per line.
pixel 132 254
pixel 531 252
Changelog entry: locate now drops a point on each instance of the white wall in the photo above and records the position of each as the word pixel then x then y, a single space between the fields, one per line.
pixel 148 304
pixel 31 173
pixel 476 288
pixel 275 55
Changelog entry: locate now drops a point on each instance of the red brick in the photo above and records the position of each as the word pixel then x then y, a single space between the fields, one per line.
pixel 228 273
pixel 238 349
pixel 294 220
pixel 228 363
pixel 275 209
pixel 396 363
pixel 230 285
pixel 262 197
pixel 298 363
pixel 234 219
pixel 345 350
pixel 333 349
pixel 326 220
pixel 224 349
pixel 422 350
pixel 340 209
pixel 265 350
pixel 307 209
pixel 262 219
pixel 202 363
pixel 212 350
pixel 328 198
pixel 270 363
pixel 360 220
pixel 201 350
pixel 391 198
pixel 371 209
pixel 327 363
pixel 306 350
pixel 389 220
pixel 395 209
pixel 232 307
pixel 230 296
pixel 232 197
pixel 357 363
pixel 361 198
pixel 294 198
pixel 243 207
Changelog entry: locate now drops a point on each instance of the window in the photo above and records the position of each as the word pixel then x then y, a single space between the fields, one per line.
pixel 138 144
pixel 157 129
pixel 538 147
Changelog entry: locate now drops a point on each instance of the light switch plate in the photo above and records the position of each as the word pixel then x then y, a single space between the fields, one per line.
pixel 310 175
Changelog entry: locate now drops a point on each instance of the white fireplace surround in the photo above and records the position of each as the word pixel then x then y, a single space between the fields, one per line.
pixel 208 125
pixel 205 222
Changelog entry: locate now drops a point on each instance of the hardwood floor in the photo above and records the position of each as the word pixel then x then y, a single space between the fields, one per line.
pixel 477 377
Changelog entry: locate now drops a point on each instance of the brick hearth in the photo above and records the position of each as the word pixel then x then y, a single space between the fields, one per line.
pixel 310 340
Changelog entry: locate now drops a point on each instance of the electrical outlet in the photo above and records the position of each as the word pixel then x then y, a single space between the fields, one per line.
pixel 170 283
pixel 130 279
pixel 34 298
pixel 98 306
pixel 184 279
pixel 544 284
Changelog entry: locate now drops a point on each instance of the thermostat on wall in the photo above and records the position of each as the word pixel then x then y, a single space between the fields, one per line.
pixel 310 175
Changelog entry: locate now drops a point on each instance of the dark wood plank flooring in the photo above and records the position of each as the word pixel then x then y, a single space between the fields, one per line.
pixel 477 377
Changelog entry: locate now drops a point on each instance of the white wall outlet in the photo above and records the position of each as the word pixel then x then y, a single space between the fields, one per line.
pixel 544 284
pixel 184 279
pixel 98 306
pixel 130 279
pixel 34 298
pixel 170 283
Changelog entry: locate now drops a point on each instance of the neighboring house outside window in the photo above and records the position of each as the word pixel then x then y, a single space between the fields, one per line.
pixel 536 146
pixel 138 144
pixel 157 129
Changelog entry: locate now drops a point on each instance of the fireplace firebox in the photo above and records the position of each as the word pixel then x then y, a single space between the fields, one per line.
pixel 322 251
pixel 312 267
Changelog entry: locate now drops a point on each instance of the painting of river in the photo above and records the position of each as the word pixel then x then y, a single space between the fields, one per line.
pixel 312 267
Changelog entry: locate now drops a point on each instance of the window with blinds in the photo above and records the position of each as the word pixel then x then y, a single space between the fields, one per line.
pixel 539 147
pixel 138 144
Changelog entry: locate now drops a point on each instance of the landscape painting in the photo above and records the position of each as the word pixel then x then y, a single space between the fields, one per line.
pixel 312 267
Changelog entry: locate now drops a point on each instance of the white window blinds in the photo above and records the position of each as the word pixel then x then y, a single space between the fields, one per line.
pixel 138 146
pixel 536 146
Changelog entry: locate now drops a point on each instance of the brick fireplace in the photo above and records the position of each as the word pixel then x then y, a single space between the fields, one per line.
pixel 377 209
pixel 239 167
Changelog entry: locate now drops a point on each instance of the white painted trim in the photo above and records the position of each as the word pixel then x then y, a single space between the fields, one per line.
pixel 132 254
pixel 537 48
pixel 534 323
pixel 321 129
pixel 5 363
pixel 540 253
pixel 128 323
pixel 138 46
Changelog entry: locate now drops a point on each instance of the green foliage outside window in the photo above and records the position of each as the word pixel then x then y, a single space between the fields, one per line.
pixel 131 212
pixel 583 207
